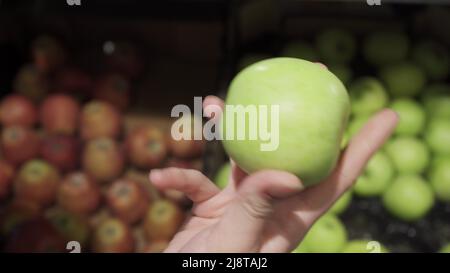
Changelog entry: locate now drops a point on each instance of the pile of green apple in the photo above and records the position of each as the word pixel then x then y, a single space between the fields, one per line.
pixel 412 171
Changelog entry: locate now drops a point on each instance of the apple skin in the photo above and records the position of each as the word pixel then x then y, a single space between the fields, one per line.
pixel 327 235
pixel 302 90
pixel 409 155
pixel 6 177
pixel 385 47
pixel 73 227
pixel 127 200
pixel 17 110
pixel 436 99
pixel 342 203
pixel 408 198
pixel 403 79
pixel 103 159
pixel 367 95
pixel 31 83
pixel 37 181
pixel 376 177
pixel 433 57
pixel 146 147
pixel 223 175
pixel 336 45
pixel 437 136
pixel 113 236
pixel 99 119
pixel 300 50
pixel 439 176
pixel 74 81
pixel 59 114
pixel 412 117
pixel 157 246
pixel 162 220
pixel 342 71
pixel 15 213
pixel 36 236
pixel 362 246
pixel 19 144
pixel 187 148
pixel 48 54
pixel 178 197
pixel 61 151
pixel 115 89
pixel 78 193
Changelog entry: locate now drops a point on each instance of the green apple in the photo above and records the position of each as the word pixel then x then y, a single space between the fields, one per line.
pixel 367 96
pixel 403 79
pixel 436 99
pixel 439 176
pixel 376 177
pixel 300 50
pixel 336 45
pixel 250 59
pixel 409 197
pixel 301 248
pixel 385 47
pixel 327 235
pixel 364 246
pixel 409 155
pixel 313 109
pixel 342 71
pixel 433 57
pixel 223 175
pixel 445 249
pixel 342 203
pixel 412 117
pixel 437 136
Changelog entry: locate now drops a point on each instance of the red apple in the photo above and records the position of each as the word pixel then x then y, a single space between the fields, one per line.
pixel 127 200
pixel 72 226
pixel 19 144
pixel 146 147
pixel 103 159
pixel 74 81
pixel 6 176
pixel 48 54
pixel 113 236
pixel 15 213
pixel 100 119
pixel 37 181
pixel 157 246
pixel 61 151
pixel 30 83
pixel 36 236
pixel 78 193
pixel 187 148
pixel 59 114
pixel 114 89
pixel 177 197
pixel 163 219
pixel 124 57
pixel 17 110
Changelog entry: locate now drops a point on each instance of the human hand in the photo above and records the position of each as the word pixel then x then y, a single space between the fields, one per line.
pixel 270 210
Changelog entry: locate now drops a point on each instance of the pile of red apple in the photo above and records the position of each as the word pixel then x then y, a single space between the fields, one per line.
pixel 70 172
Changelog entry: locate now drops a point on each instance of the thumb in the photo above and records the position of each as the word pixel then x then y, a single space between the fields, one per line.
pixel 243 222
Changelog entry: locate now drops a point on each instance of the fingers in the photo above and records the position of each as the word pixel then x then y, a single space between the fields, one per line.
pixel 193 183
pixel 243 222
pixel 212 106
pixel 314 201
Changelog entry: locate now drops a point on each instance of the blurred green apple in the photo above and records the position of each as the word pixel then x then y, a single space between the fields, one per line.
pixel 409 155
pixel 342 203
pixel 409 198
pixel 433 57
pixel 313 112
pixel 223 175
pixel 412 117
pixel 342 71
pixel 250 59
pixel 445 249
pixel 436 99
pixel 385 47
pixel 327 235
pixel 364 246
pixel 376 177
pixel 356 123
pixel 336 45
pixel 437 136
pixel 300 50
pixel 439 176
pixel 403 79
pixel 367 96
